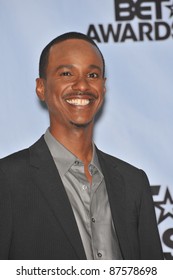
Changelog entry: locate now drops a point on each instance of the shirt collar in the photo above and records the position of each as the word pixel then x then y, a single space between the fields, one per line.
pixel 63 158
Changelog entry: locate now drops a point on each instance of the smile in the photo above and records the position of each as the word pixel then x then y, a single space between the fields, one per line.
pixel 78 101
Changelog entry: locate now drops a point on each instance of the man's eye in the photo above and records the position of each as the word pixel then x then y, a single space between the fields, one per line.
pixel 93 75
pixel 65 74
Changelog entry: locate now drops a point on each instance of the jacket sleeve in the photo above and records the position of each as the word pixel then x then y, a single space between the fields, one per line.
pixel 150 245
pixel 5 217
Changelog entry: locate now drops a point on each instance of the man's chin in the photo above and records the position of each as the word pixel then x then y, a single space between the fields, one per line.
pixel 81 125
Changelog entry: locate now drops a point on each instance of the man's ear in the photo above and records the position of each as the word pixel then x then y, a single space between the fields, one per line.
pixel 40 89
pixel 104 86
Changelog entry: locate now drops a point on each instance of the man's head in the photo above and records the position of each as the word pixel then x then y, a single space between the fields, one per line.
pixel 71 82
pixel 66 36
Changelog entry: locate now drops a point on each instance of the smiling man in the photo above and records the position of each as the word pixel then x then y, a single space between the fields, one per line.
pixel 73 87
pixel 63 198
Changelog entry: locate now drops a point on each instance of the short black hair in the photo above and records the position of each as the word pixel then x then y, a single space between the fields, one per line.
pixel 70 35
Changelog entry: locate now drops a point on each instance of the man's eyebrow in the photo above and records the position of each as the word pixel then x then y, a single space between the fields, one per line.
pixel 93 66
pixel 70 66
pixel 64 66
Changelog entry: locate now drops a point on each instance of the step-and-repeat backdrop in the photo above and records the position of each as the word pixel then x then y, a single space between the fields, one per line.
pixel 136 38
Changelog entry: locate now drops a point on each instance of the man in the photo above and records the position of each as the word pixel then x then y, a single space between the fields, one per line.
pixel 63 198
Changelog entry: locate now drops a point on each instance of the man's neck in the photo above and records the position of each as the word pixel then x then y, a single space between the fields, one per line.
pixel 77 140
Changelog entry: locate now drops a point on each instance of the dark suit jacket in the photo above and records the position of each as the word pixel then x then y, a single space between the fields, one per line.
pixel 37 221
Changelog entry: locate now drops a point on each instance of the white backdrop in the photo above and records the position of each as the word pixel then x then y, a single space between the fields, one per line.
pixel 136 122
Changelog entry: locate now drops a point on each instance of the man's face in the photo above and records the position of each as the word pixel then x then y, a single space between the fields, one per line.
pixel 74 87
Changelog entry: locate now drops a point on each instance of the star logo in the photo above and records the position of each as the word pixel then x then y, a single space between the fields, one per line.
pixel 170 7
pixel 166 207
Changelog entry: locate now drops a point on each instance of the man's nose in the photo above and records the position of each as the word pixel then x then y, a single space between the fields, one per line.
pixel 80 84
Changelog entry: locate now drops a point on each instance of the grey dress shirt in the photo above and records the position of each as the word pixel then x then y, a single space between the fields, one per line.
pixel 90 203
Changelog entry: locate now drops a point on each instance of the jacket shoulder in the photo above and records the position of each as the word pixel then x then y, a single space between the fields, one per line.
pixel 14 159
pixel 18 159
pixel 117 162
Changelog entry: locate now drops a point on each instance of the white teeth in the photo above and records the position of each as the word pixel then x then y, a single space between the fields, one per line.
pixel 78 102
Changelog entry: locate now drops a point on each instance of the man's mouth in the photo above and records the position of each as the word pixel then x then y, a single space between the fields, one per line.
pixel 78 101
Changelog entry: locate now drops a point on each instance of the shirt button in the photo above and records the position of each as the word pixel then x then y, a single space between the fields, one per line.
pixel 99 254
pixel 84 187
pixel 93 220
pixel 91 170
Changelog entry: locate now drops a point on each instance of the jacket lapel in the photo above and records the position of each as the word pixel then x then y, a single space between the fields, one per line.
pixel 46 177
pixel 116 193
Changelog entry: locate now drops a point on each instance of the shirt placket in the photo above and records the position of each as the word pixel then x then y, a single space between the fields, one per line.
pixel 88 194
pixel 94 216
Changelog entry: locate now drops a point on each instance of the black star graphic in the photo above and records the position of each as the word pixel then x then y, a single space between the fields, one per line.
pixel 171 9
pixel 166 206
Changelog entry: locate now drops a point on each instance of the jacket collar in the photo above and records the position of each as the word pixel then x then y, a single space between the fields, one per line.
pixel 47 179
pixel 116 192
